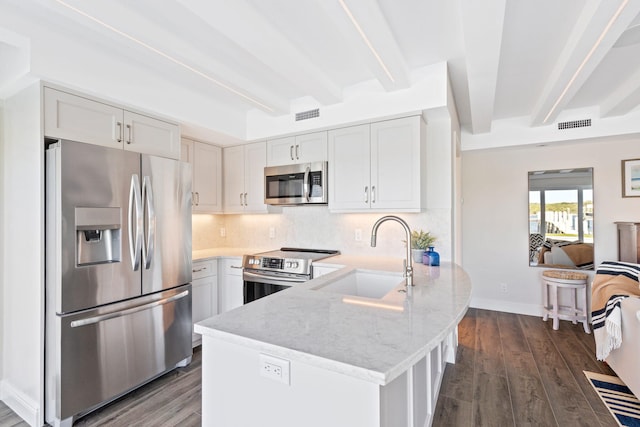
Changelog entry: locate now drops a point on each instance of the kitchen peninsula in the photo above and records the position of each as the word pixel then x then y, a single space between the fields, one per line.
pixel 328 352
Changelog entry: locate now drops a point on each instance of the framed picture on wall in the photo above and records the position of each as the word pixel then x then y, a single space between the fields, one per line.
pixel 631 178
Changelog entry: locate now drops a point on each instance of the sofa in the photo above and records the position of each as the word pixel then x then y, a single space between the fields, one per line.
pixel 566 254
pixel 615 309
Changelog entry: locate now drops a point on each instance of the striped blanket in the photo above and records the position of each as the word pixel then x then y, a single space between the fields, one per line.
pixel 614 281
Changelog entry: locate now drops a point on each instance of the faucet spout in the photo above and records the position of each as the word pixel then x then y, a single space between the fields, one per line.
pixel 408 272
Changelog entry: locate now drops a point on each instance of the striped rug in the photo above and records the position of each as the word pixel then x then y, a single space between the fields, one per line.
pixel 624 406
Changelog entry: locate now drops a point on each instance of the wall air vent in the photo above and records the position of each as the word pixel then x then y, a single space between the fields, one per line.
pixel 574 124
pixel 311 114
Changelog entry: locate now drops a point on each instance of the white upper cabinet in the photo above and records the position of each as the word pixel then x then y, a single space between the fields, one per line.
pixel 144 134
pixel 206 162
pixel 243 167
pixel 349 168
pixel 311 147
pixel 69 116
pixel 378 167
pixel 80 119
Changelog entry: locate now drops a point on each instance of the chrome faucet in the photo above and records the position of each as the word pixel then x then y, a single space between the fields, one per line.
pixel 408 264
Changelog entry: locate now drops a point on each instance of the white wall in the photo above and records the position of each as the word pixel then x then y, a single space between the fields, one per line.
pixel 23 231
pixel 495 214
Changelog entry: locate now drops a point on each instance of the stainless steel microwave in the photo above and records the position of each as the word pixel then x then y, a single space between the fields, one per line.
pixel 299 184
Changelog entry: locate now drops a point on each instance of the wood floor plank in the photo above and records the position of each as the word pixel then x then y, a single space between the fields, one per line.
pixel 451 412
pixel 530 404
pixel 491 401
pixel 489 357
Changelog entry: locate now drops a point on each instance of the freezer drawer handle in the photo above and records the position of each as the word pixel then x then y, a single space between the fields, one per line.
pixel 135 203
pixel 132 310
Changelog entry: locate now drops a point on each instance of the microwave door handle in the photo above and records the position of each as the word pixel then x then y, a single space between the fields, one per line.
pixel 135 207
pixel 307 186
pixel 148 247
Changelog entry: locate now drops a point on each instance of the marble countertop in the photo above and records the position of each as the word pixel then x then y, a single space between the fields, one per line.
pixel 371 339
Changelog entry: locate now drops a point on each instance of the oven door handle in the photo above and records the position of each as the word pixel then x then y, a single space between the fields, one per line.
pixel 270 280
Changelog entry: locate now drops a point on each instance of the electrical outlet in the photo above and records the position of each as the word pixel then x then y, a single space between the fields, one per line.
pixel 274 368
pixel 223 232
pixel 503 288
pixel 272 232
pixel 358 234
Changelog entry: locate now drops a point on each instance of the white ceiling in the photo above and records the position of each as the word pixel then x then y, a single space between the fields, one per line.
pixel 516 67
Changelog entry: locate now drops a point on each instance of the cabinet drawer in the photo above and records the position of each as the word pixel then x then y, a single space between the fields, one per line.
pixel 204 269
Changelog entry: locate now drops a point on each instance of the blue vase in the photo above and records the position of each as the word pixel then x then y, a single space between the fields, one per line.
pixel 431 257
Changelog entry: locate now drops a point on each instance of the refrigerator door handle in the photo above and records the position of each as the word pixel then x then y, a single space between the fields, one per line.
pixel 135 203
pixel 128 311
pixel 148 246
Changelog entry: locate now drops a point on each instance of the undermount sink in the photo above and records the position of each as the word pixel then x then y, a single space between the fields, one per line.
pixel 364 283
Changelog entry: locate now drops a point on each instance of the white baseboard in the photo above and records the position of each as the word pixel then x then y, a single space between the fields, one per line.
pixel 22 405
pixel 507 306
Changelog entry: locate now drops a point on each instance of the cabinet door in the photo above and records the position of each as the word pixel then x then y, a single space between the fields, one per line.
pixel 203 297
pixel 68 116
pixel 349 168
pixel 311 147
pixel 231 291
pixel 395 164
pixel 186 150
pixel 144 134
pixel 233 171
pixel 207 178
pixel 255 161
pixel 281 151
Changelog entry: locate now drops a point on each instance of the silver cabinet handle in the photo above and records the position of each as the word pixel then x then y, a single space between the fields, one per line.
pixel 132 310
pixel 373 194
pixel 148 247
pixel 198 270
pixel 245 199
pixel 366 194
pixel 291 152
pixel 297 157
pixel 236 267
pixel 135 208
pixel 241 202
pixel 197 198
pixel 119 124
pixel 130 135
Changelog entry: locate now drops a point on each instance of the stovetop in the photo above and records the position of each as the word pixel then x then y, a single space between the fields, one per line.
pixel 287 260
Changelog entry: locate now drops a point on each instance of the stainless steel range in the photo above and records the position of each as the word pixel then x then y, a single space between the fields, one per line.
pixel 269 272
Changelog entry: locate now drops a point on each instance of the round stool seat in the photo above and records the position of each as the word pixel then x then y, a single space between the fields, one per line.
pixel 576 282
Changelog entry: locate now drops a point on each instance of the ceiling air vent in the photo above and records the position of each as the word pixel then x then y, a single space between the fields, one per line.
pixel 574 124
pixel 304 115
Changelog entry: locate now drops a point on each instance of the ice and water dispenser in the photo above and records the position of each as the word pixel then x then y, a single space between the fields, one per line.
pixel 98 235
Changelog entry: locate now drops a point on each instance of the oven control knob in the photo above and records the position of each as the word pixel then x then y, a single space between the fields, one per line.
pixel 294 264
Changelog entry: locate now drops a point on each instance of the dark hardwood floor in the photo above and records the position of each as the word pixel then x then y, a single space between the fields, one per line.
pixel 511 370
pixel 515 370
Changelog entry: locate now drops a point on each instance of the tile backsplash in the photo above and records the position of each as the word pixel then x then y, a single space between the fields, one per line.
pixel 316 227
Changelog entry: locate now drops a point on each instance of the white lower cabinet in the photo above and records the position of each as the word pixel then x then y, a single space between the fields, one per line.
pixel 204 286
pixel 231 284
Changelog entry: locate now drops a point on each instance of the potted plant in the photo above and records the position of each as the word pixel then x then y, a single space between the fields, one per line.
pixel 420 241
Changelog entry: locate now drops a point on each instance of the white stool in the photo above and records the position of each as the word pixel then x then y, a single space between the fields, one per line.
pixel 574 281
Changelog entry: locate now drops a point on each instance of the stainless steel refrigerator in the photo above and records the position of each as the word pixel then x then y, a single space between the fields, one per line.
pixel 118 273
